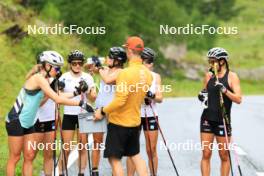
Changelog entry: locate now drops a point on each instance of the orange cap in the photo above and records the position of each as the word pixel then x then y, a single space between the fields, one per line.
pixel 134 43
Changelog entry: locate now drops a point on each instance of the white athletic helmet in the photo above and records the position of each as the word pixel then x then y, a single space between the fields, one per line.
pixel 51 57
pixel 218 53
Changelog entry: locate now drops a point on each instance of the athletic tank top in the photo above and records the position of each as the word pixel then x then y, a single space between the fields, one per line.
pixel 46 112
pixel 153 89
pixel 213 112
pixel 25 107
pixel 105 95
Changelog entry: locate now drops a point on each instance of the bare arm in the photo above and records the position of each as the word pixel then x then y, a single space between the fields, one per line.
pixel 45 87
pixel 108 78
pixel 158 94
pixel 66 94
pixel 236 95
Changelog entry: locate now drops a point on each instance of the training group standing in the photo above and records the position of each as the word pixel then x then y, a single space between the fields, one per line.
pixel 123 107
pixel 34 116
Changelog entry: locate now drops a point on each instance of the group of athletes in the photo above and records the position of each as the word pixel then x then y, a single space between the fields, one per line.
pixel 34 115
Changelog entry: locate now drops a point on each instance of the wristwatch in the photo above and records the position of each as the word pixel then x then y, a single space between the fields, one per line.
pixel 102 111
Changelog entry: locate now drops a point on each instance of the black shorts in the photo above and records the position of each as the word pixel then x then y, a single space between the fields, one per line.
pixel 151 124
pixel 70 122
pixel 121 141
pixel 43 127
pixel 207 126
pixel 14 128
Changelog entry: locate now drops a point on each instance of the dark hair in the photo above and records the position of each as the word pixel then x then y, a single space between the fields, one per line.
pixel 226 63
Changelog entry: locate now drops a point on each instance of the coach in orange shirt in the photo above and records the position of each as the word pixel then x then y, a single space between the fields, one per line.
pixel 124 111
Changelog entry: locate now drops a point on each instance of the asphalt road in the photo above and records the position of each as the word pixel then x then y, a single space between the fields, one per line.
pixel 179 119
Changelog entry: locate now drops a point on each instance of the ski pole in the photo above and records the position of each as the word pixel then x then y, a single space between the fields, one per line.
pixel 56 161
pixel 172 161
pixel 236 159
pixel 54 151
pixel 225 119
pixel 80 141
pixel 64 159
pixel 89 157
pixel 88 151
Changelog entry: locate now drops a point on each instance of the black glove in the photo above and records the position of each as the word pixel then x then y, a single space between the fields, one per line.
pixel 150 95
pixel 87 107
pixel 58 75
pixel 61 85
pixel 97 62
pixel 53 85
pixel 203 95
pixel 220 87
pixel 56 83
pixel 147 101
pixel 83 87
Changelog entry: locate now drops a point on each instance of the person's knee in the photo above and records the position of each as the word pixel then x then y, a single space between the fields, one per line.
pixel 148 151
pixel 224 156
pixel 29 155
pixel 152 152
pixel 207 154
pixel 98 140
pixel 14 158
pixel 83 152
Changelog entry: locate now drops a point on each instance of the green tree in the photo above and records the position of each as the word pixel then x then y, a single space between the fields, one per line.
pixel 143 18
pixel 109 14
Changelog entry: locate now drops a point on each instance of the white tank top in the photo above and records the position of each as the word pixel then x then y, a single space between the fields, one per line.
pixel 70 84
pixel 46 112
pixel 149 111
pixel 105 95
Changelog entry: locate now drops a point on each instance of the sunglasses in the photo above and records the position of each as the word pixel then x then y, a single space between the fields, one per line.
pixel 57 69
pixel 77 63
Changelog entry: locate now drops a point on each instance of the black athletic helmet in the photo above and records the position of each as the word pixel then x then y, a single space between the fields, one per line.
pixel 148 55
pixel 118 53
pixel 75 55
pixel 217 53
